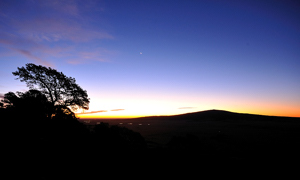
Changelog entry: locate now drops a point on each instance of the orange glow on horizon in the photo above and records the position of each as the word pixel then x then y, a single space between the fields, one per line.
pixel 285 113
pixel 133 107
pixel 83 116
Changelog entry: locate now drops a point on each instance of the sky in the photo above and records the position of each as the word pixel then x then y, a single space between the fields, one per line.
pixel 160 57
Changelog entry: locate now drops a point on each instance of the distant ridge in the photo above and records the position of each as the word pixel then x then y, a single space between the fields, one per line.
pixel 227 115
pixel 215 114
pixel 218 114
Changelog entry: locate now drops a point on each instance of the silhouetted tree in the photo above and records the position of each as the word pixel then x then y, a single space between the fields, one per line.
pixel 53 96
pixel 60 90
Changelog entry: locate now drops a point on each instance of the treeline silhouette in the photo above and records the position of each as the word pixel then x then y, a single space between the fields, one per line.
pixel 60 147
pixel 25 121
pixel 42 134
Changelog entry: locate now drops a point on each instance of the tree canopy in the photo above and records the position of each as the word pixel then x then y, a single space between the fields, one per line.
pixel 27 102
pixel 60 90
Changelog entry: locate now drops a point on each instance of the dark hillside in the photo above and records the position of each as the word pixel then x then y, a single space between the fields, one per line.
pixel 220 132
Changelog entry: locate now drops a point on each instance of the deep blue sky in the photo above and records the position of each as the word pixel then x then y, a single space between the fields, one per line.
pixel 161 57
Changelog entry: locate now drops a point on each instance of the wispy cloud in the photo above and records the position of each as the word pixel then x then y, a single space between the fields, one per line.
pixel 54 30
pixel 59 29
pixel 100 111
pixel 31 56
pixel 117 110
pixel 1 96
pixel 42 54
pixel 72 7
pixel 7 42
pixel 65 7
pixel 37 52
pixel 87 55
pixel 92 112
pixel 56 20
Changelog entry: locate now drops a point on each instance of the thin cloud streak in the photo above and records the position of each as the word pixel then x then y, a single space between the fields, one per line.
pixel 72 8
pixel 92 112
pixel 6 42
pixel 100 111
pixel 53 30
pixel 84 56
pixel 117 110
pixel 70 54
pixel 31 56
pixel 66 7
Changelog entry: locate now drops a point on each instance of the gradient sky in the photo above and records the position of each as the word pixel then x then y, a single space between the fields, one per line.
pixel 160 57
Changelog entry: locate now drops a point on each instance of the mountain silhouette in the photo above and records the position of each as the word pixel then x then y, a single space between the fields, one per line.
pixel 221 115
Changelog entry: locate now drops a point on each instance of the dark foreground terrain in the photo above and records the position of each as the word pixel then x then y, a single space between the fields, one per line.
pixel 220 133
pixel 168 145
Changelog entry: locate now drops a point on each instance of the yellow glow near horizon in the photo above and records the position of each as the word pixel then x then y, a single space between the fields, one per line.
pixel 284 111
pixel 121 116
pixel 132 108
pixel 97 116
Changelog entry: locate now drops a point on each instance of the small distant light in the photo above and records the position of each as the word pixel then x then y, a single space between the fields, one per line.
pixel 141 53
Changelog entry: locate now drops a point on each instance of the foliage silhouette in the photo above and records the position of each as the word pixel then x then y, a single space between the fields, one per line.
pixel 25 116
pixel 27 103
pixel 26 124
pixel 59 89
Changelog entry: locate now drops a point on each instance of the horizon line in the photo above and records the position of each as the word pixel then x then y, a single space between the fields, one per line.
pixel 141 116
